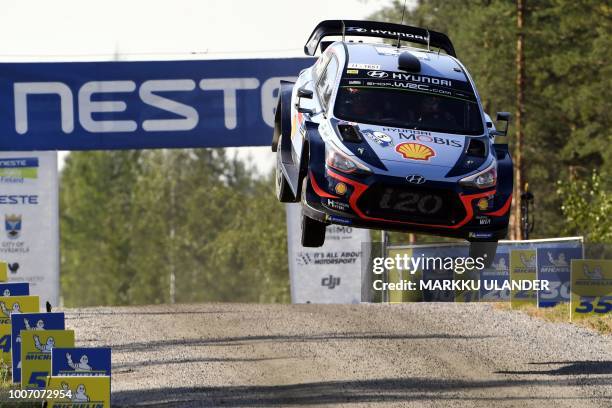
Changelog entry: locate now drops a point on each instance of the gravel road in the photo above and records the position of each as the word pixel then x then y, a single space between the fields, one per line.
pixel 410 355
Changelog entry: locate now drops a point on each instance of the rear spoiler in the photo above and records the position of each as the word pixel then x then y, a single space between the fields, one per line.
pixel 377 29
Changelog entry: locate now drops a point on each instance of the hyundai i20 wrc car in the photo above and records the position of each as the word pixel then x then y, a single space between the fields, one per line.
pixel 387 136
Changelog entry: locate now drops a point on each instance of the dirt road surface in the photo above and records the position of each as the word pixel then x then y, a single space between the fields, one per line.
pixel 411 355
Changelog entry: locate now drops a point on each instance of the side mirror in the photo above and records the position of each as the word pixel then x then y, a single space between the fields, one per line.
pixel 503 117
pixel 304 93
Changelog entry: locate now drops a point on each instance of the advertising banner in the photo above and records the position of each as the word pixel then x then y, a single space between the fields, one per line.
pixel 36 346
pixel 79 391
pixel 92 361
pixel 3 271
pixel 8 306
pixel 553 265
pixel 141 104
pixel 14 289
pixel 499 274
pixel 397 275
pixel 522 268
pixel 29 237
pixel 591 287
pixel 30 321
pixel 331 273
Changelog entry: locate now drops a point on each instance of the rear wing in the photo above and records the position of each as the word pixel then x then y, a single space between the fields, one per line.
pixel 377 29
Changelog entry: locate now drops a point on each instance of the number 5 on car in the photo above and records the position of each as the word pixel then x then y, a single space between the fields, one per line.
pixel 36 346
pixel 591 287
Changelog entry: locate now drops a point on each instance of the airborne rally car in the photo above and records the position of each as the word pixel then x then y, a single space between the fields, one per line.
pixel 390 137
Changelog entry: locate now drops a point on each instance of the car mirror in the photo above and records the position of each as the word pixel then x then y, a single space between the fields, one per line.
pixel 503 117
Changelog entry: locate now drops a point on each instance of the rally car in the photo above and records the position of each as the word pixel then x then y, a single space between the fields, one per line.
pixel 389 136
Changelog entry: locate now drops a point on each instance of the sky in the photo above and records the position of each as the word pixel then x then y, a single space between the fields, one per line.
pixel 79 30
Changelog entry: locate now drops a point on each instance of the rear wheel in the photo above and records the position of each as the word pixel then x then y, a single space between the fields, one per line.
pixel 283 190
pixel 485 250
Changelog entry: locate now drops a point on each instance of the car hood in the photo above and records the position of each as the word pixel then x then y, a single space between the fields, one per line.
pixel 414 146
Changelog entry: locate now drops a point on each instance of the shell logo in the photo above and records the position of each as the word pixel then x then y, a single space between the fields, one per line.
pixel 415 151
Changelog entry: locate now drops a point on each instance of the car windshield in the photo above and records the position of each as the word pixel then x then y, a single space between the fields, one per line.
pixel 405 108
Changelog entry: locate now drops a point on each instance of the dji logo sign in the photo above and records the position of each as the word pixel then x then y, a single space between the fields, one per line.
pixel 185 117
pixel 330 281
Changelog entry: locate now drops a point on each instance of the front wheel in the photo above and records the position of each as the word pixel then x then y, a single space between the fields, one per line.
pixel 313 232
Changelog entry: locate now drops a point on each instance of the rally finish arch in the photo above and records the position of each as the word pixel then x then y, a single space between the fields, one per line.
pixel 140 105
pixel 46 107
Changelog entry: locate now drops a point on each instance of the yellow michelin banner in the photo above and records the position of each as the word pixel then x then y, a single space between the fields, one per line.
pixel 3 271
pixel 591 287
pixel 8 306
pixel 396 276
pixel 523 267
pixel 36 346
pixel 80 391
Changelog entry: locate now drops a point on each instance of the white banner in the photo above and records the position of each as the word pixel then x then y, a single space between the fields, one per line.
pixel 331 273
pixel 29 237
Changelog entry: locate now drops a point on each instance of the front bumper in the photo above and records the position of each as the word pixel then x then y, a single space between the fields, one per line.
pixel 438 208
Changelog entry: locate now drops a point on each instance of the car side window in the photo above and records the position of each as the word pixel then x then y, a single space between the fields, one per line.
pixel 325 85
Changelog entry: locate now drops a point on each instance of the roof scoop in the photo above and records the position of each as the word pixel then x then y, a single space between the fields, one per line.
pixel 408 62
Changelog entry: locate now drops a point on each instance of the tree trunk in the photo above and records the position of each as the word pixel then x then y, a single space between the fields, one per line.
pixel 519 182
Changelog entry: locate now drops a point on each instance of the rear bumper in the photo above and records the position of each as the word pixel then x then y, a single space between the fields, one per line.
pixel 459 217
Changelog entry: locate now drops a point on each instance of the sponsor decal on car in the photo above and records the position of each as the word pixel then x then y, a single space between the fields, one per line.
pixel 430 139
pixel 337 205
pixel 357 65
pixel 482 235
pixel 415 151
pixel 377 74
pixel 483 204
pixel 381 138
pixel 339 220
pixel 483 220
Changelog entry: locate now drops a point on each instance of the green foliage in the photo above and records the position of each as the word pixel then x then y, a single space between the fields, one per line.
pixel 130 220
pixel 587 207
pixel 567 124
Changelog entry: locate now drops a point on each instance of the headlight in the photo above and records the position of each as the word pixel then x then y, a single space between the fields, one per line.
pixel 484 179
pixel 337 160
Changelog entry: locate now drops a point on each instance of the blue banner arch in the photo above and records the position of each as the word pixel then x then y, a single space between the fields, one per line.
pixel 140 105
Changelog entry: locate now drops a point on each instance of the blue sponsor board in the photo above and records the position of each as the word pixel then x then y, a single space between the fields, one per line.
pixel 553 265
pixel 15 289
pixel 141 104
pixel 18 162
pixel 30 321
pixel 93 361
pixel 495 277
pixel 435 259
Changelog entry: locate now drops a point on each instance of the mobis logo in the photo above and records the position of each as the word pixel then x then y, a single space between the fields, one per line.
pixel 90 106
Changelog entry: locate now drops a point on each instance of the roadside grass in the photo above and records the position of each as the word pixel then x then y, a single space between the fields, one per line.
pixel 560 313
pixel 6 385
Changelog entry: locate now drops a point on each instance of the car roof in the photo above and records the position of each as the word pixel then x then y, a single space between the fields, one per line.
pixel 386 55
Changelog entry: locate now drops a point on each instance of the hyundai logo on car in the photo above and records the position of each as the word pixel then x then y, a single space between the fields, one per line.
pixel 415 179
pixel 377 74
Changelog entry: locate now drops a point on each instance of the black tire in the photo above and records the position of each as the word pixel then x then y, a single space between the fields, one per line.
pixel 485 250
pixel 283 190
pixel 313 232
